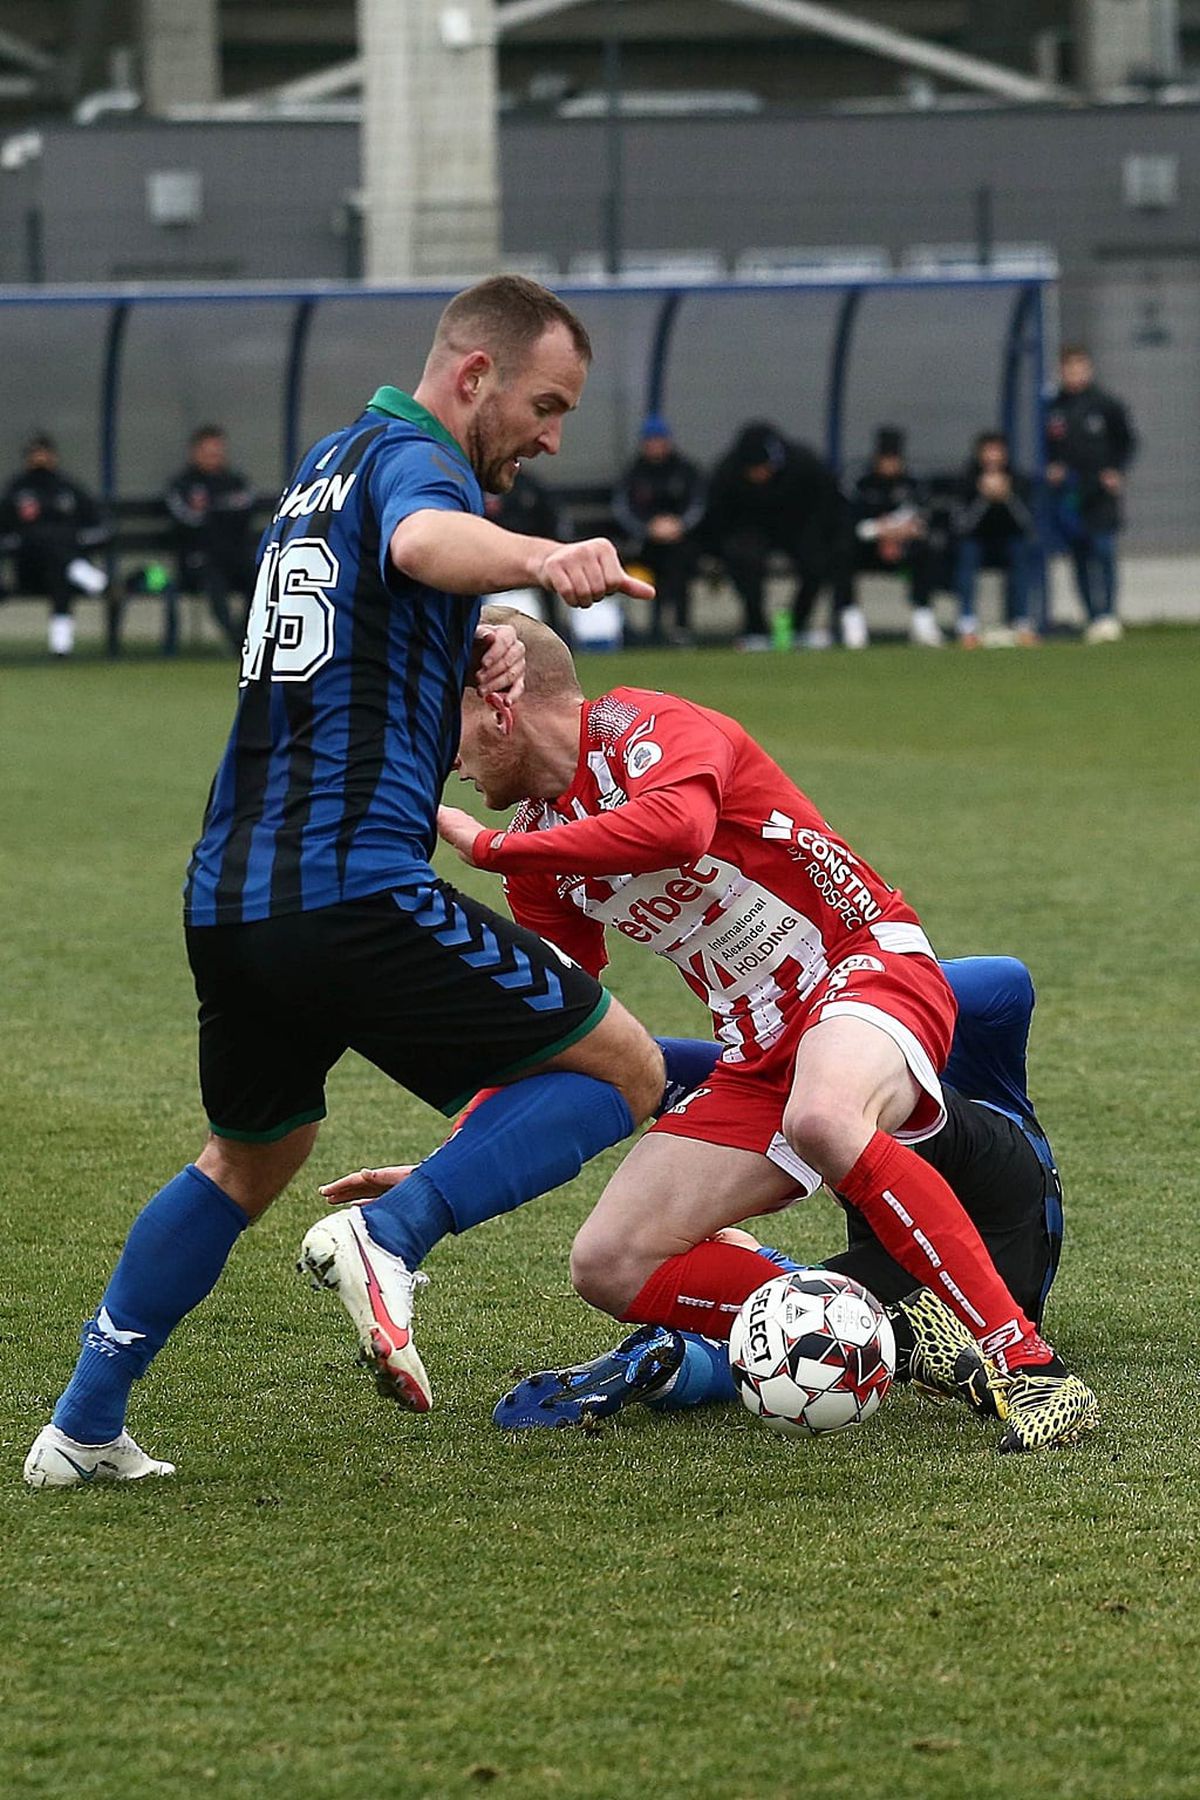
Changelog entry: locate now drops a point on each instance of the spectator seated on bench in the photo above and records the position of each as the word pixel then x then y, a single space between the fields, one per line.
pixel 211 504
pixel 658 503
pixel 892 531
pixel 994 528
pixel 145 549
pixel 52 527
pixel 770 497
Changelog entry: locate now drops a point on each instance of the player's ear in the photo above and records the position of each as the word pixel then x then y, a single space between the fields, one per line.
pixel 473 372
pixel 501 710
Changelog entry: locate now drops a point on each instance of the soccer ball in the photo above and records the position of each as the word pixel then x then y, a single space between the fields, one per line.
pixel 811 1352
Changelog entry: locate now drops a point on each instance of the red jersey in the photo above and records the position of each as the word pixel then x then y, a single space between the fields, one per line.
pixel 729 870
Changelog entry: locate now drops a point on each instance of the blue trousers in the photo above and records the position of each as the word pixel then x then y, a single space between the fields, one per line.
pixel 1014 557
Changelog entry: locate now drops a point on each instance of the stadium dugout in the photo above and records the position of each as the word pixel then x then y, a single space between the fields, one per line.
pixel 122 375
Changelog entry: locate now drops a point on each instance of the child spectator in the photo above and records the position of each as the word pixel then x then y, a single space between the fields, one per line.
pixel 994 528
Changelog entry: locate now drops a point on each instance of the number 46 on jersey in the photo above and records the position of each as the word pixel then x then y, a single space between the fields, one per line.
pixel 291 611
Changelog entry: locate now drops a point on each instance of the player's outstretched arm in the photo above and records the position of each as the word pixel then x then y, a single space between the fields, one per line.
pixel 365 1184
pixel 670 826
pixel 461 554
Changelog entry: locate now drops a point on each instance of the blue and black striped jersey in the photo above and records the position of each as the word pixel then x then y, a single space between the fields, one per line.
pixel 352 677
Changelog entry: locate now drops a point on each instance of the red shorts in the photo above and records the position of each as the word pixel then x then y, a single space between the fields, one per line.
pixel 904 994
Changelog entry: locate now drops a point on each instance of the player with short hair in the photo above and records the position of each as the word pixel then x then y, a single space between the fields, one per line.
pixel 211 506
pixel 824 990
pixel 314 920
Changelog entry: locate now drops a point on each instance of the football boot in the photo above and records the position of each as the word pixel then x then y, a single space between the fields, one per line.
pixel 935 1350
pixel 376 1288
pixel 638 1366
pixel 57 1461
pixel 1047 1405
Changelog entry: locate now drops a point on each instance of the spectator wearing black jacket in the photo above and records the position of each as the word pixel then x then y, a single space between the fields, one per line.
pixel 767 494
pixel 994 528
pixel 891 528
pixel 658 503
pixel 52 526
pixel 1090 443
pixel 211 505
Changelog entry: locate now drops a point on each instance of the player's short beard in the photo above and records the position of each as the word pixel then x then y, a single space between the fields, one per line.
pixel 482 441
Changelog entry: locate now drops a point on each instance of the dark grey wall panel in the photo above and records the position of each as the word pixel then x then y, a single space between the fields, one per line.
pixel 271 199
pixel 274 206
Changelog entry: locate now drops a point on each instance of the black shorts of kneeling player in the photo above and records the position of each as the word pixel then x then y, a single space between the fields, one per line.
pixel 1010 1192
pixel 434 988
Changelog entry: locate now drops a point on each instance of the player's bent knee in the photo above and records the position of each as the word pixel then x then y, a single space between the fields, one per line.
pixel 823 1132
pixel 643 1083
pixel 634 1063
pixel 621 1052
pixel 600 1274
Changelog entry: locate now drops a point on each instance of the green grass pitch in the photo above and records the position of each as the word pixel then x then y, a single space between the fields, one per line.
pixel 334 1599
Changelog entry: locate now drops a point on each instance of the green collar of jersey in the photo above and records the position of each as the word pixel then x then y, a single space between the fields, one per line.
pixel 399 405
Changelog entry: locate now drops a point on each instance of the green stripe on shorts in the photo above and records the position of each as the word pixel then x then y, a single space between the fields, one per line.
pixel 499 1076
pixel 266 1137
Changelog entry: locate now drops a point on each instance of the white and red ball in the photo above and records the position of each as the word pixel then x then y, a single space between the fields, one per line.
pixel 812 1352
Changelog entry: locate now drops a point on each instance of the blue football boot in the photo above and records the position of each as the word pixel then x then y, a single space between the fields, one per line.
pixel 593 1390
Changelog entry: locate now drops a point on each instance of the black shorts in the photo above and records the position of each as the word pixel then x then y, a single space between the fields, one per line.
pixel 435 989
pixel 1009 1188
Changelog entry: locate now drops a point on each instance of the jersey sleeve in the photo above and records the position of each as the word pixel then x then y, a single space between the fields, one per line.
pixel 416 475
pixel 669 742
pixel 671 760
pixel 661 830
pixel 535 902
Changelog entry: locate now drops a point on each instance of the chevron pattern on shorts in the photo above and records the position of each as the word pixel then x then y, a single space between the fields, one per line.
pixel 480 948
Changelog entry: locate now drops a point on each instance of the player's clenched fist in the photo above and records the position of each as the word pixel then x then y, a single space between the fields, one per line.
pixel 458 829
pixel 581 574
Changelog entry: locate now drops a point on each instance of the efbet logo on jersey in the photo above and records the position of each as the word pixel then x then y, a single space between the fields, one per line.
pixel 646 916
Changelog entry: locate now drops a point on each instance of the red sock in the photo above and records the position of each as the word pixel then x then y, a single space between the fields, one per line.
pixel 920 1221
pixel 700 1290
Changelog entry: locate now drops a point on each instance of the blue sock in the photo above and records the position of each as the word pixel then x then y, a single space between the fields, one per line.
pixel 521 1142
pixel 702 1378
pixel 689 1062
pixel 176 1248
pixel 781 1259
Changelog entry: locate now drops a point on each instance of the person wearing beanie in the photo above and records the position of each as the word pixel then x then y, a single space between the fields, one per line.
pixel 771 496
pixel 658 503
